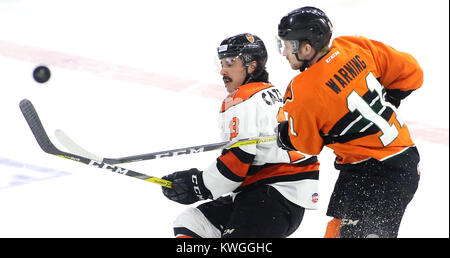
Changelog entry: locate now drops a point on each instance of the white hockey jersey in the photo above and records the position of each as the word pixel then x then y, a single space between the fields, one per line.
pixel 251 111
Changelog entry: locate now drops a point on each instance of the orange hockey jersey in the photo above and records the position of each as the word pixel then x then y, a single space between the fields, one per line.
pixel 340 101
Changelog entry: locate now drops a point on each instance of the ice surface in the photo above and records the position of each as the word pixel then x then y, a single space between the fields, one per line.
pixel 131 77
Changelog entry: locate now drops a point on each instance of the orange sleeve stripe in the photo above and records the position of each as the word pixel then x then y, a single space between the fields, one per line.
pixel 234 164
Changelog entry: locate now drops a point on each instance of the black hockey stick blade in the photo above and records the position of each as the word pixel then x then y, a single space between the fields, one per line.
pixel 32 118
pixel 35 124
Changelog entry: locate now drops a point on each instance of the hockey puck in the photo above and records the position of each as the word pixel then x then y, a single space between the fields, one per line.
pixel 41 74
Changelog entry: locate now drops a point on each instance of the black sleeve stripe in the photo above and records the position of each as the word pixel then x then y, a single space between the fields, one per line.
pixel 314 175
pixel 243 156
pixel 256 168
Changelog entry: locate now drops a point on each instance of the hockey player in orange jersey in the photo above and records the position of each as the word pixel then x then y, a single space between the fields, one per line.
pixel 257 190
pixel 346 98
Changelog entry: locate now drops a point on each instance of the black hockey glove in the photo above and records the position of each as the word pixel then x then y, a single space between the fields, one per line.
pixel 396 96
pixel 283 140
pixel 187 187
pixel 394 101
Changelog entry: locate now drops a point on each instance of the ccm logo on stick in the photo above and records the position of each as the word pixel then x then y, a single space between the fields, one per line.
pixel 109 167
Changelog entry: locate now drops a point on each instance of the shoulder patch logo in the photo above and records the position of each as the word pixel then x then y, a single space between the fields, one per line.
pixel 315 198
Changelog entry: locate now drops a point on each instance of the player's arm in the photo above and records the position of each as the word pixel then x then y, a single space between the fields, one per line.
pixel 284 142
pixel 301 129
pixel 224 175
pixel 229 170
pixel 400 73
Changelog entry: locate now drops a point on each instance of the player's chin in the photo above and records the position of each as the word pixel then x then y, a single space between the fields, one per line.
pixel 230 87
pixel 295 65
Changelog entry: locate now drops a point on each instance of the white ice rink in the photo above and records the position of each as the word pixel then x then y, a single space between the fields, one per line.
pixel 131 77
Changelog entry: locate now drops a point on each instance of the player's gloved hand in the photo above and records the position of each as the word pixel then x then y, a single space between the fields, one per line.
pixel 187 187
pixel 395 96
pixel 393 100
pixel 283 140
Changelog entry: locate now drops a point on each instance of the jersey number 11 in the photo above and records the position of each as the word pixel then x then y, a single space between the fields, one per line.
pixel 356 103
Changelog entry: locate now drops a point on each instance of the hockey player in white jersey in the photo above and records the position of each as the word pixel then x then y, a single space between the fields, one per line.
pixel 257 190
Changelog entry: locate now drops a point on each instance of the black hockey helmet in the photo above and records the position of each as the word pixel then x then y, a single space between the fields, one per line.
pixel 306 23
pixel 247 46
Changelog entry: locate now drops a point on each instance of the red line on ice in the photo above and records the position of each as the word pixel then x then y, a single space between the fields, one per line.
pixel 428 133
pixel 136 75
pixel 113 71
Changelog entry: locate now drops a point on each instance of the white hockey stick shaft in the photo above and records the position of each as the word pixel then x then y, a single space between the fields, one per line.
pixel 71 145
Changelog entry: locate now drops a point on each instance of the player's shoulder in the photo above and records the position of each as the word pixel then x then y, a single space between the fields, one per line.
pixel 243 93
pixel 306 89
pixel 349 42
pixel 355 38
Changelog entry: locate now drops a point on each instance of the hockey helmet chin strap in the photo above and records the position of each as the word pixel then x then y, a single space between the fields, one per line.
pixel 250 76
pixel 306 62
pixel 295 44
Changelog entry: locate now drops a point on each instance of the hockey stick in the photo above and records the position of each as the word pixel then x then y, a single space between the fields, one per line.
pixel 32 118
pixel 67 142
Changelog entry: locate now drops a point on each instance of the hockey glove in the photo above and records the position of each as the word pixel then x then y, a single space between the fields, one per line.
pixel 187 187
pixel 283 140
pixel 394 101
pixel 395 96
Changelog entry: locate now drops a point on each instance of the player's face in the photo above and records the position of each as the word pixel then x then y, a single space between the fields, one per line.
pixel 233 72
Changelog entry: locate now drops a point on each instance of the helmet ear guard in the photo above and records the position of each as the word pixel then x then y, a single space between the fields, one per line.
pixel 246 58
